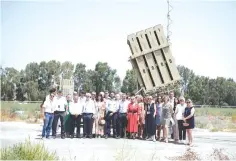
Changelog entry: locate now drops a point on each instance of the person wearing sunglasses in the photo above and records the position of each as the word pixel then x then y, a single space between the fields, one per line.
pixel 189 120
pixel 48 108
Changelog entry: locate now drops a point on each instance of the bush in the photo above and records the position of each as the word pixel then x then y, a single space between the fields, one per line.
pixel 27 151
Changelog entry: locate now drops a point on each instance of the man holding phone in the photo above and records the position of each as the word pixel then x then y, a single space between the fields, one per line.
pixel 60 112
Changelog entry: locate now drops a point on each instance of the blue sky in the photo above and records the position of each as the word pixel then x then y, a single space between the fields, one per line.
pixel 88 31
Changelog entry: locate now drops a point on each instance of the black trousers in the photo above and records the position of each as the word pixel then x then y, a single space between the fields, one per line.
pixel 150 123
pixel 111 120
pixel 122 123
pixel 182 130
pixel 88 124
pixel 75 120
pixel 58 115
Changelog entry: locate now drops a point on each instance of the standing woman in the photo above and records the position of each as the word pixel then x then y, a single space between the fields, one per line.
pixel 179 113
pixel 158 117
pixel 100 124
pixel 189 119
pixel 141 116
pixel 166 116
pixel 175 129
pixel 150 119
pixel 132 117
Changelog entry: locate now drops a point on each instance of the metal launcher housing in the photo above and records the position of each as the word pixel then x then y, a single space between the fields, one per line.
pixel 152 61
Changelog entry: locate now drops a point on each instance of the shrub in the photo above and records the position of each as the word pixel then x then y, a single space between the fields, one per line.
pixel 27 151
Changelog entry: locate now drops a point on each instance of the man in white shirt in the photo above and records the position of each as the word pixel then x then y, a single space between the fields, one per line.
pixel 122 116
pixel 89 109
pixel 179 113
pixel 82 96
pixel 60 112
pixel 48 108
pixel 76 109
pixel 51 91
pixel 112 115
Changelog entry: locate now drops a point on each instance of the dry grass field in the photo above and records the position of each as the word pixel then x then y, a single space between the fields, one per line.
pixel 214 119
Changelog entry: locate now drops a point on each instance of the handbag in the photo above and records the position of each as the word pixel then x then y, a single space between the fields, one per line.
pixel 185 124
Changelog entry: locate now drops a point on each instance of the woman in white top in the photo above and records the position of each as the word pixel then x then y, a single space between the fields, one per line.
pixel 179 112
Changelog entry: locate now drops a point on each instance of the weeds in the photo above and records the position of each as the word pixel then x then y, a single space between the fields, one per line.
pixel 188 155
pixel 27 151
pixel 219 155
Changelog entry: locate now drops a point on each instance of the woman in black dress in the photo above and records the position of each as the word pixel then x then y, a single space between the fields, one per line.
pixel 189 119
pixel 150 120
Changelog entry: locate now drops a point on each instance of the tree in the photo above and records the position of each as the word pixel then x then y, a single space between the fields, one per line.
pixel 9 80
pixel 43 80
pixel 130 82
pixel 53 71
pixel 104 77
pixel 67 69
pixel 34 82
pixel 88 84
pixel 79 75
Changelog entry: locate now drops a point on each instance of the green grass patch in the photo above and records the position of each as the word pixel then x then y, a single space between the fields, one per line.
pixel 9 111
pixel 216 119
pixel 27 151
pixel 207 111
pixel 17 106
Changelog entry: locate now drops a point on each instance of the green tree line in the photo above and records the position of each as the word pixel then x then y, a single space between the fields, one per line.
pixel 34 82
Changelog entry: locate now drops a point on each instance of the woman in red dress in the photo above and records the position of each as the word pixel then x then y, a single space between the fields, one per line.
pixel 133 117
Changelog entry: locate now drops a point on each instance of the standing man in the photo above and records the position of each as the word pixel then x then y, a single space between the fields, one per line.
pixel 89 110
pixel 122 117
pixel 82 96
pixel 76 108
pixel 47 110
pixel 60 112
pixel 51 91
pixel 112 115
pixel 95 118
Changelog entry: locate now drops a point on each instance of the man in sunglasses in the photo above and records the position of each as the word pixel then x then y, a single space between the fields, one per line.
pixel 51 91
pixel 47 110
pixel 60 112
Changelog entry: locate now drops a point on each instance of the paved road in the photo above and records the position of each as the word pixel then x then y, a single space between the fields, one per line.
pixel 116 149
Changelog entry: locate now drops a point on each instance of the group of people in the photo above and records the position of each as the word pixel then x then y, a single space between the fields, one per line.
pixel 124 115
